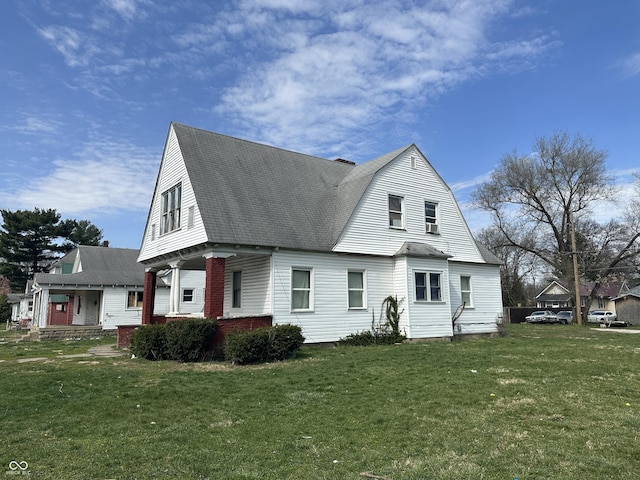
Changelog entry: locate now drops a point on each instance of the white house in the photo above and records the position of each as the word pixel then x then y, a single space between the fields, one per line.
pixel 314 242
pixel 104 286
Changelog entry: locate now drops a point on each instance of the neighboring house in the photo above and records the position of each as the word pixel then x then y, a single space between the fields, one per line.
pixel 557 295
pixel 21 307
pixel 628 306
pixel 314 242
pixel 102 286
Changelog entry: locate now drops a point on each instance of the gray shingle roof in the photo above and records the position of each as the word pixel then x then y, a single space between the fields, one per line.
pixel 254 194
pixel 100 266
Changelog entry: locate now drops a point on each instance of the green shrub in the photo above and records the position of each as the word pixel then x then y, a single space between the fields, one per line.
pixel 247 346
pixel 263 344
pixel 189 340
pixel 149 342
pixel 359 339
pixel 377 337
pixel 284 341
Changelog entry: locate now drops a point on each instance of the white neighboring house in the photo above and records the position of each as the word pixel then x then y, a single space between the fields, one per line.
pixel 21 307
pixel 102 286
pixel 317 243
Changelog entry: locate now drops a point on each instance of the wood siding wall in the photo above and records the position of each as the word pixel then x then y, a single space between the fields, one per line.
pixel 172 171
pixel 256 285
pixel 368 230
pixel 331 319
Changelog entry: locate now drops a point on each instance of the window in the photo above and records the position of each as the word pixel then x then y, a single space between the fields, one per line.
pixel 153 231
pixel 355 287
pixel 465 290
pixel 236 301
pixel 188 295
pixel 171 202
pixel 395 211
pixel 431 217
pixel 600 302
pixel 413 162
pixel 431 291
pixel 134 299
pixel 301 291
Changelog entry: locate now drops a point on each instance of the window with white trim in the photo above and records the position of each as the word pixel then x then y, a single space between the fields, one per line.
pixel 395 211
pixel 236 300
pixel 428 286
pixel 301 289
pixel 465 290
pixel 171 208
pixel 134 299
pixel 431 217
pixel 188 295
pixel 356 288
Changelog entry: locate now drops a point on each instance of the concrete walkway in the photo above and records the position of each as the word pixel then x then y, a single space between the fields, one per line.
pixel 99 351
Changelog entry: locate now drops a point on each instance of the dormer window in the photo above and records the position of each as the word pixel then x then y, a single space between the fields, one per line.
pixel 395 211
pixel 171 207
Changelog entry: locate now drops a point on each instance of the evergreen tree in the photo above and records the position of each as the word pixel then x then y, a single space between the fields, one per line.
pixel 31 240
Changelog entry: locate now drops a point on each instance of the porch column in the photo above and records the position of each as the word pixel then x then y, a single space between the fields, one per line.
pixel 148 296
pixel 174 295
pixel 214 287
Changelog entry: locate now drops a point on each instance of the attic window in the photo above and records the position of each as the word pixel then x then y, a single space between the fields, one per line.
pixel 395 211
pixel 171 207
pixel 413 162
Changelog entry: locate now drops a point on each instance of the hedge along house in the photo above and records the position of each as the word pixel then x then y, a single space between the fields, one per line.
pixel 314 242
pixel 101 286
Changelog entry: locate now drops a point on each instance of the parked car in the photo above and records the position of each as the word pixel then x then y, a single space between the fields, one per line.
pixel 601 316
pixel 541 316
pixel 565 317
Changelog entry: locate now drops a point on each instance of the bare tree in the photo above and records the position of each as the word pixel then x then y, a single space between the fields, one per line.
pixel 533 199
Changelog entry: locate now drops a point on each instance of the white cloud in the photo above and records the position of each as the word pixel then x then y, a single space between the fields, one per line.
pixel 125 8
pixel 102 178
pixel 631 65
pixel 365 64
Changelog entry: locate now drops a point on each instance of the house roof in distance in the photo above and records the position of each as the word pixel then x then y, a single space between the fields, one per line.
pixel 99 266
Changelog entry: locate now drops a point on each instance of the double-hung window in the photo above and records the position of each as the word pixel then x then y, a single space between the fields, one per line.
pixel 465 290
pixel 134 299
pixel 395 211
pixel 301 289
pixel 236 300
pixel 171 208
pixel 356 289
pixel 428 286
pixel 431 217
pixel 188 295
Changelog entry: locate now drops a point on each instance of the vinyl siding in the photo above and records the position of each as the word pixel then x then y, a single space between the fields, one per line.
pixel 255 296
pixel 486 297
pixel 331 319
pixel 172 171
pixel 368 232
pixel 428 319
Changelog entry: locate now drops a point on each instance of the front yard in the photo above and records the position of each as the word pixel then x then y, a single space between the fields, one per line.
pixel 545 401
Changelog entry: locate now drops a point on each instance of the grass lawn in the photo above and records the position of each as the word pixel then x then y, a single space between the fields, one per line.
pixel 546 401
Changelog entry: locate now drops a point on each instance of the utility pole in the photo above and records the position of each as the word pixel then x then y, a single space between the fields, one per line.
pixel 576 277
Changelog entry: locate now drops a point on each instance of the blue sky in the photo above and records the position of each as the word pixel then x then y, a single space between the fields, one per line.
pixel 89 88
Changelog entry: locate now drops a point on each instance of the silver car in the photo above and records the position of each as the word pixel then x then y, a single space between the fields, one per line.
pixel 601 316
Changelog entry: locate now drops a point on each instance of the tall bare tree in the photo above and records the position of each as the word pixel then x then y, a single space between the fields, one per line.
pixel 533 198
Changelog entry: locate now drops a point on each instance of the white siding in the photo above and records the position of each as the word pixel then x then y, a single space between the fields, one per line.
pixel 172 171
pixel 429 319
pixel 331 318
pixel 368 229
pixel 256 285
pixel 114 302
pixel 486 297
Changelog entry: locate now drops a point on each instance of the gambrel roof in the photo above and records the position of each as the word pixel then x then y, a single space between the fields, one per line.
pixel 98 266
pixel 253 194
